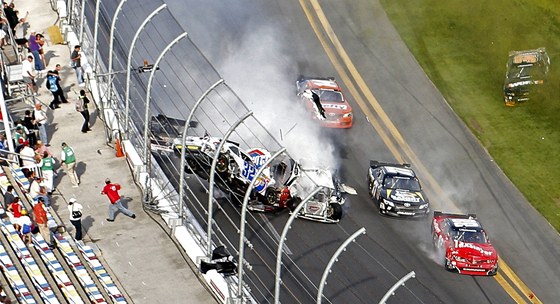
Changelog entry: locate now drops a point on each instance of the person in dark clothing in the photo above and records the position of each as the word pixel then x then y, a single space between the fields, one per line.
pixel 10 15
pixel 60 92
pixel 77 65
pixel 29 123
pixel 53 84
pixel 8 196
pixel 75 210
pixel 82 107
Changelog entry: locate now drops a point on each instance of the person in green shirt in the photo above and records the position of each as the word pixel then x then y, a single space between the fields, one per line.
pixel 68 158
pixel 47 167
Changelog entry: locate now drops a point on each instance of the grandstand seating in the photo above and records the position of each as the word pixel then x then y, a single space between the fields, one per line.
pixel 28 265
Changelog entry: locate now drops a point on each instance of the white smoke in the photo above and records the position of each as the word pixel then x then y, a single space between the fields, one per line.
pixel 260 72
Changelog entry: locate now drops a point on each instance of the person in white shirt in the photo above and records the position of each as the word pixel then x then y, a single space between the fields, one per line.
pixel 41 120
pixel 28 73
pixel 75 210
pixel 25 224
pixel 37 189
pixel 28 159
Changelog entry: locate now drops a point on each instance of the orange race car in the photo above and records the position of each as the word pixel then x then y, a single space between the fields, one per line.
pixel 324 99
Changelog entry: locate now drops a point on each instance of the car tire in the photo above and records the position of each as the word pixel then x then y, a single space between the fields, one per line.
pixel 222 164
pixel 447 264
pixel 334 211
pixel 493 273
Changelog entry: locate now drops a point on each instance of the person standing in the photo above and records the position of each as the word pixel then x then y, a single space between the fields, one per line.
pixel 27 155
pixel 112 192
pixel 40 215
pixel 41 121
pixel 34 47
pixel 77 66
pixel 59 94
pixel 40 39
pixel 75 210
pixel 47 167
pixel 28 74
pixel 52 85
pixel 68 158
pixel 29 124
pixel 82 107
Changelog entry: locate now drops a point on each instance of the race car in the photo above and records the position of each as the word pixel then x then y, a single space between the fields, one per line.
pixel 396 190
pixel 164 131
pixel 283 184
pixel 464 243
pixel 326 205
pixel 293 183
pixel 524 69
pixel 235 168
pixel 324 99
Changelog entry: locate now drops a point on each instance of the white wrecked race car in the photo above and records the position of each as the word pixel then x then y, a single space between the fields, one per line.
pixel 284 184
pixel 293 183
pixel 235 167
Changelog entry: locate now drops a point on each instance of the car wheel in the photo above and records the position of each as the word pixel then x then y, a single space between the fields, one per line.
pixel 293 203
pixel 495 271
pixel 222 164
pixel 447 264
pixel 334 211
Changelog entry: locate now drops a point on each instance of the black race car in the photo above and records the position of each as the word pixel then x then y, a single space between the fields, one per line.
pixel 396 190
pixel 524 69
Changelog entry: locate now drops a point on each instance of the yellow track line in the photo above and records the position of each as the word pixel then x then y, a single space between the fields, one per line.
pixel 391 127
pixel 517 281
pixel 509 289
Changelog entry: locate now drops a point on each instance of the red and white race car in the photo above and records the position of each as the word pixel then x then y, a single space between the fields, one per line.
pixel 465 244
pixel 324 99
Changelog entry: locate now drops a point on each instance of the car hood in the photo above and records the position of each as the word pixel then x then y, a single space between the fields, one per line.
pixel 399 195
pixel 474 250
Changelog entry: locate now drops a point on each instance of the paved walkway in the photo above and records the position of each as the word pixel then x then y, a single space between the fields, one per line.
pixel 138 251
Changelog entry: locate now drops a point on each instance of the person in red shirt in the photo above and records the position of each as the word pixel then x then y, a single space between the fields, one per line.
pixel 112 192
pixel 15 209
pixel 40 215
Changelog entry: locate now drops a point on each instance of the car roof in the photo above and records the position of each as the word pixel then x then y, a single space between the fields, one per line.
pixel 465 223
pixel 399 171
pixel 325 84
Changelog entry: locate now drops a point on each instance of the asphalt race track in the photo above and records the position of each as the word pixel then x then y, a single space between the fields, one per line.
pixel 260 47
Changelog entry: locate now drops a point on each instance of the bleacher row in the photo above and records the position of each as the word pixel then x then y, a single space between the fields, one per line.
pixel 70 271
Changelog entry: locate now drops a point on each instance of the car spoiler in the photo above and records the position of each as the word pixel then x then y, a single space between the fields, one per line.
pixel 302 78
pixel 374 164
pixel 454 215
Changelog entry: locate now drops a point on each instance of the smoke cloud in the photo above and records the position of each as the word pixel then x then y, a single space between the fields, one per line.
pixel 259 70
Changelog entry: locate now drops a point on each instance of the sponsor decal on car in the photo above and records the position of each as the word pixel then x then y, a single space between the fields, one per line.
pixel 334 106
pixel 472 246
pixel 405 197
